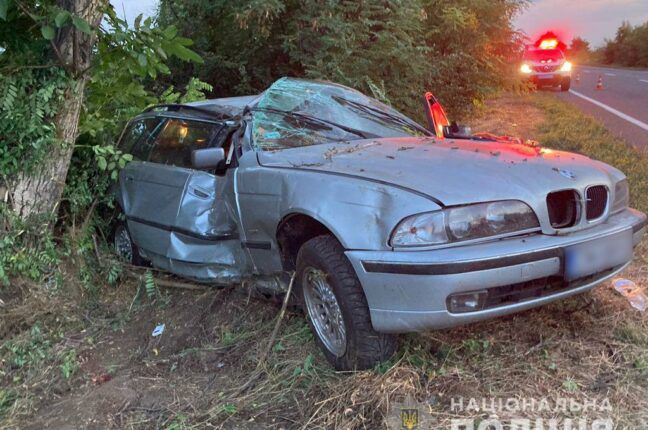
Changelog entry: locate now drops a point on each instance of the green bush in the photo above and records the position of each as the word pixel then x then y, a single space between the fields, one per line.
pixel 30 99
pixel 392 49
pixel 25 250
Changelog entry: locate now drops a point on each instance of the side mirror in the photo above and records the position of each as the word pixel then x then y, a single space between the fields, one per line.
pixel 208 158
pixel 457 131
pixel 436 116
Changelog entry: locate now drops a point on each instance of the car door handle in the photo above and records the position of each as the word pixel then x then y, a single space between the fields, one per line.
pixel 128 177
pixel 198 193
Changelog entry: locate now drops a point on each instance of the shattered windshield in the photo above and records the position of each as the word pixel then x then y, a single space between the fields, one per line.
pixel 297 112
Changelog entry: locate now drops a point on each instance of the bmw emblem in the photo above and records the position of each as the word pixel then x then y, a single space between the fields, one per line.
pixel 567 174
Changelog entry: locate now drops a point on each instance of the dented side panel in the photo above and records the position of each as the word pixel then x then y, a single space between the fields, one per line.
pixel 184 220
pixel 205 209
pixel 208 212
pixel 212 272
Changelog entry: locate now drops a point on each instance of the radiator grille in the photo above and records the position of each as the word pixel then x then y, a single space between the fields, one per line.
pixel 545 68
pixel 563 208
pixel 597 198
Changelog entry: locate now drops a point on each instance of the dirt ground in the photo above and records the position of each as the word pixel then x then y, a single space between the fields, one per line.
pixel 203 371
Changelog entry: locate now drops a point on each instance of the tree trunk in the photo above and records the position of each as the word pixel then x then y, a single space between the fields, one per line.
pixel 39 193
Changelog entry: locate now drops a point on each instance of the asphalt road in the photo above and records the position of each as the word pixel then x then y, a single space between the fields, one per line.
pixel 622 104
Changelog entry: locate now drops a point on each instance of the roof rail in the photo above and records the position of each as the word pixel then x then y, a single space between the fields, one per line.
pixel 174 107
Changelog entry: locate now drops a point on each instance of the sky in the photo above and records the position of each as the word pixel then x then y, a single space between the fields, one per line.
pixel 593 20
pixel 132 8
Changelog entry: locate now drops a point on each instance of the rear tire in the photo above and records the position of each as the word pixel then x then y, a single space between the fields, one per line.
pixel 565 84
pixel 124 246
pixel 336 307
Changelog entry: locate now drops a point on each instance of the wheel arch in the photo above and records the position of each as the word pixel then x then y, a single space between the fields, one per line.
pixel 295 229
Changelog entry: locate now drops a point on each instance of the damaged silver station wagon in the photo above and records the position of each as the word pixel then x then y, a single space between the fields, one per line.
pixel 390 227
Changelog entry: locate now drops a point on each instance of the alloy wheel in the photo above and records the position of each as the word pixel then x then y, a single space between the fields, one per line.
pixel 123 243
pixel 324 311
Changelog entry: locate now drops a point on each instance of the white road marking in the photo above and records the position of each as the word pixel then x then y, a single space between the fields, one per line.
pixel 613 111
pixel 586 71
pixel 610 74
pixel 643 80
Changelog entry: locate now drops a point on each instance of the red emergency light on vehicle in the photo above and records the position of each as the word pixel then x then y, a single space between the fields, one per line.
pixel 548 44
pixel 550 40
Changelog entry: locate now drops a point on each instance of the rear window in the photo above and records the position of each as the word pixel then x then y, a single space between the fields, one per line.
pixel 178 138
pixel 544 55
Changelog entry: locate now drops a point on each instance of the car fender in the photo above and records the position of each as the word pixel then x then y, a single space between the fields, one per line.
pixel 359 212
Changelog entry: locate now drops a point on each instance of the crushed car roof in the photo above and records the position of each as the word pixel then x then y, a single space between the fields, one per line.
pixel 232 105
pixel 224 108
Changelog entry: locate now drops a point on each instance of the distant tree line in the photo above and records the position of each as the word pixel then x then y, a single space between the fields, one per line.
pixel 629 47
pixel 392 49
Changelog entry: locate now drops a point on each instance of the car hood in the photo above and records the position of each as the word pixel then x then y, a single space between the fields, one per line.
pixel 452 172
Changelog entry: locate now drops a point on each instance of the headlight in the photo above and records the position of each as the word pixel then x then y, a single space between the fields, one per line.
pixel 525 68
pixel 621 196
pixel 423 229
pixel 464 223
pixel 566 67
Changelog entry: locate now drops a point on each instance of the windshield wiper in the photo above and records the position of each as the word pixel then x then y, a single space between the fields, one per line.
pixel 375 111
pixel 351 130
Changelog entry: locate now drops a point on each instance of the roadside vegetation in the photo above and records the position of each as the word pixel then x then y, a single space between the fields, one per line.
pixel 391 49
pixel 628 48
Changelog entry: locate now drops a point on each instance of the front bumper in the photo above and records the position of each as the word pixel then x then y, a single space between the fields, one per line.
pixel 548 78
pixel 407 290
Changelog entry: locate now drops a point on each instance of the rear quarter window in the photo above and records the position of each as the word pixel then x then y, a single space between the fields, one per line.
pixel 138 136
pixel 178 138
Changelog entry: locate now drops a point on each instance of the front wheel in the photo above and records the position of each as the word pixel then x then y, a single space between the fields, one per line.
pixel 336 307
pixel 565 84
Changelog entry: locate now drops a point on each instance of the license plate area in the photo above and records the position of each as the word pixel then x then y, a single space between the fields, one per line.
pixel 546 76
pixel 598 255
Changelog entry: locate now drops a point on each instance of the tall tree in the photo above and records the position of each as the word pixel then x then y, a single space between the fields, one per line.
pixel 579 50
pixel 72 44
pixel 39 191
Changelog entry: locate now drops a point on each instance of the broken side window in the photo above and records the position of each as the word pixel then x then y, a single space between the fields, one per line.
pixel 179 137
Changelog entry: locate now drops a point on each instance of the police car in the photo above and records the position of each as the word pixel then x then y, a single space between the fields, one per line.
pixel 544 64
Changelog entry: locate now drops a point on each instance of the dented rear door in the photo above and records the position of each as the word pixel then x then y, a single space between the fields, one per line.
pixel 147 189
pixel 203 240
